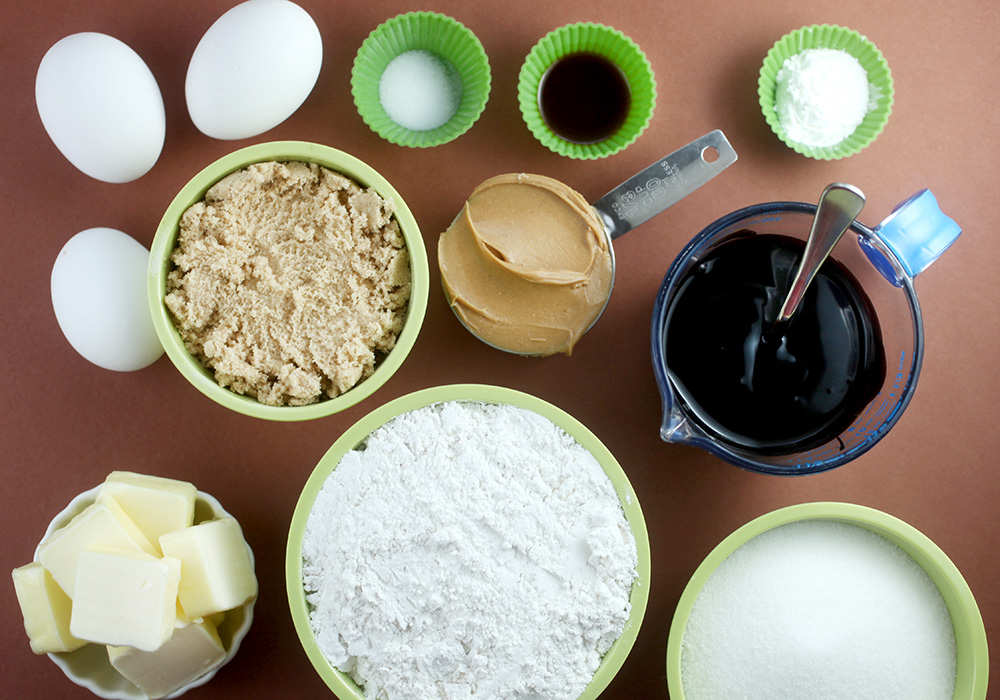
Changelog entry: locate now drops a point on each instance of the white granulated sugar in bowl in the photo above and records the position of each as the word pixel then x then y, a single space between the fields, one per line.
pixel 821 610
pixel 468 550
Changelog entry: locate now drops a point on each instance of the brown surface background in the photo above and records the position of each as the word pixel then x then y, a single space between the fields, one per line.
pixel 67 423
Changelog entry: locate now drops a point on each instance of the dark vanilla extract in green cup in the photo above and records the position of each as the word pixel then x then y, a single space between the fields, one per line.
pixel 584 97
pixel 586 91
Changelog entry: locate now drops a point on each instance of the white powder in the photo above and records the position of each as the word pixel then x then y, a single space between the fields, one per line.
pixel 822 96
pixel 468 550
pixel 820 610
pixel 419 90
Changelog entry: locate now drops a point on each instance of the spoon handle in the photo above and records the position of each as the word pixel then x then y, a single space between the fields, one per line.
pixel 838 207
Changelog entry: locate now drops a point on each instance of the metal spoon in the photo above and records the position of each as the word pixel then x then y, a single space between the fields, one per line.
pixel 838 207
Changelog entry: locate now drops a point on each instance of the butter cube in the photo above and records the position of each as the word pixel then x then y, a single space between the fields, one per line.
pixel 99 525
pixel 125 598
pixel 192 651
pixel 45 608
pixel 216 571
pixel 155 504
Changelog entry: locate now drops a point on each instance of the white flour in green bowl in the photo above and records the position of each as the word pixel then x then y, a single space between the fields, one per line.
pixel 468 550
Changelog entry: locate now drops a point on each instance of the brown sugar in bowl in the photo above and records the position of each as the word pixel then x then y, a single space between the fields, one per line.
pixel 161 264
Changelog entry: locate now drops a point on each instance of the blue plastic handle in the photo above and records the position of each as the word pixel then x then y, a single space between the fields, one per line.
pixel 917 232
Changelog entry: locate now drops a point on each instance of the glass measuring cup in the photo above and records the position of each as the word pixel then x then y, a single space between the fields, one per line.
pixel 883 261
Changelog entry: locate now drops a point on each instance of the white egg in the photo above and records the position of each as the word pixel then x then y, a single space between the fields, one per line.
pixel 101 106
pixel 253 68
pixel 99 296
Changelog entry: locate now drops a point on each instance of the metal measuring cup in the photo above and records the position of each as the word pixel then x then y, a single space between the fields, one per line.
pixel 643 196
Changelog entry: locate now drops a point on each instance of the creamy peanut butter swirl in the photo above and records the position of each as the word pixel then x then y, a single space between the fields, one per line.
pixel 526 264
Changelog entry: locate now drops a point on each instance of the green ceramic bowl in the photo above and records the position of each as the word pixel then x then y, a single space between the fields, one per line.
pixel 827 36
pixel 970 633
pixel 449 40
pixel 587 37
pixel 341 683
pixel 165 241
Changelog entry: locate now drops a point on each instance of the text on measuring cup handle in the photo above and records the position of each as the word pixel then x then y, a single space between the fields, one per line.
pixel 645 196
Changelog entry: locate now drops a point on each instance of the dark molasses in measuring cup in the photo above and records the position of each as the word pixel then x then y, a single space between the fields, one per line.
pixel 847 367
pixel 771 392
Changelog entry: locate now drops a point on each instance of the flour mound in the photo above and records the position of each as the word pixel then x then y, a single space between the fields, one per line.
pixel 468 550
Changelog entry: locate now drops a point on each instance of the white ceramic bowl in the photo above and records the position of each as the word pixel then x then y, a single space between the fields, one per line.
pixel 89 666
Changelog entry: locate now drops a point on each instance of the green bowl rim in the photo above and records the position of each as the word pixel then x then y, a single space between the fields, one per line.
pixel 374 116
pixel 971 647
pixel 875 120
pixel 527 93
pixel 166 236
pixel 613 659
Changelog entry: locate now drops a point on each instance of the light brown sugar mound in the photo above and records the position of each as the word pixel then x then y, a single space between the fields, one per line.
pixel 290 281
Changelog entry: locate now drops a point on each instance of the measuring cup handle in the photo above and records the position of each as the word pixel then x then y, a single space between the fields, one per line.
pixel 663 184
pixel 917 232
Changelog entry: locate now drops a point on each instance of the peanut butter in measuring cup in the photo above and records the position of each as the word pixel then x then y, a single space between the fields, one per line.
pixel 528 266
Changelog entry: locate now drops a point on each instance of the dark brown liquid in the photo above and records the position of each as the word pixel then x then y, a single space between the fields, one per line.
pixel 584 98
pixel 771 391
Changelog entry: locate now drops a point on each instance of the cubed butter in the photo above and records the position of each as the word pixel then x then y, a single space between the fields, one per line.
pixel 193 650
pixel 46 610
pixel 216 571
pixel 156 505
pixel 99 525
pixel 125 598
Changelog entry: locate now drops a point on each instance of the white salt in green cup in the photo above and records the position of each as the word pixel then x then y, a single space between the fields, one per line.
pixel 827 36
pixel 461 56
pixel 341 683
pixel 972 654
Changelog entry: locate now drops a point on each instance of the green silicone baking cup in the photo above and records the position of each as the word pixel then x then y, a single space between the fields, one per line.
pixel 829 36
pixel 587 37
pixel 441 35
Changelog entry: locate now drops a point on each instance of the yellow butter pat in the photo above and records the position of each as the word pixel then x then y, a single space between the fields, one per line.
pixel 46 610
pixel 99 525
pixel 193 650
pixel 217 573
pixel 156 505
pixel 125 598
